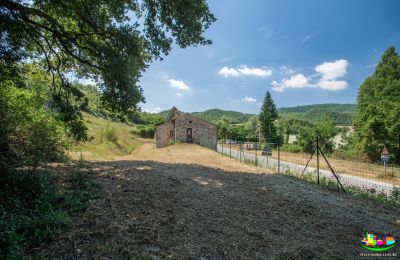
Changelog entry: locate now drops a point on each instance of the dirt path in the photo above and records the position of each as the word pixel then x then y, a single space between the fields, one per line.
pixel 185 201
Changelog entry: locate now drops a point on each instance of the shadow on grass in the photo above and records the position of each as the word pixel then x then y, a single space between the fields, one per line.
pixel 163 210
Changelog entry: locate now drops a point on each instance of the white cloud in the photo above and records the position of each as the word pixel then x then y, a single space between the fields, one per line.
pixel 249 99
pixel 296 81
pixel 328 73
pixel 257 72
pixel 228 72
pixel 179 95
pixel 154 110
pixel 332 85
pixel 332 70
pixel 244 70
pixel 178 84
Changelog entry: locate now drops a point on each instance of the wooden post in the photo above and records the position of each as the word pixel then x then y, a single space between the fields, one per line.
pixel 317 161
pixel 279 160
pixel 255 148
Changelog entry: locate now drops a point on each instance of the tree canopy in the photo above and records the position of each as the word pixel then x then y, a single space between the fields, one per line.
pixel 378 108
pixel 110 41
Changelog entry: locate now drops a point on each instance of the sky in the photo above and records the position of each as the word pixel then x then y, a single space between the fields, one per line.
pixel 301 51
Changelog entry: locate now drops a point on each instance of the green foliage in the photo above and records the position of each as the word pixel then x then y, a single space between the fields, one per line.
pixel 292 148
pixel 378 108
pixel 109 134
pixel 172 112
pixel 267 118
pixel 111 41
pixel 145 131
pixel 392 199
pixel 28 133
pixel 324 129
pixel 33 209
pixel 215 115
pixel 253 127
pixel 340 114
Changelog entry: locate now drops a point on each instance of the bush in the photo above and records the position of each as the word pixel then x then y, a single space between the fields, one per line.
pixel 109 134
pixel 28 133
pixel 34 209
pixel 292 148
pixel 145 131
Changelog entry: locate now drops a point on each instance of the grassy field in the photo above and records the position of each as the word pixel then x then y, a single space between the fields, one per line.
pixel 108 140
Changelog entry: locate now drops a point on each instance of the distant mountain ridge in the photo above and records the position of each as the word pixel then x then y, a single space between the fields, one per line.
pixel 341 114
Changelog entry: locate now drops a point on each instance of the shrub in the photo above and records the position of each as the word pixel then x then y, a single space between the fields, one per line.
pixel 34 209
pixel 292 148
pixel 110 134
pixel 145 131
pixel 28 132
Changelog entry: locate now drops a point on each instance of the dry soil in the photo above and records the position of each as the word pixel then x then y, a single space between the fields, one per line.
pixel 185 201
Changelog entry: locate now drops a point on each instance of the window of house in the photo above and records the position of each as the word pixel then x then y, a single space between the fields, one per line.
pixel 171 133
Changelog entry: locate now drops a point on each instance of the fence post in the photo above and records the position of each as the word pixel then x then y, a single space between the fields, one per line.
pixel 279 160
pixel 255 148
pixel 230 148
pixel 317 161
pixel 240 151
pixel 223 141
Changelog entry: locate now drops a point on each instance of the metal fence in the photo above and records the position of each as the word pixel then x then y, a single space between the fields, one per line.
pixel 318 166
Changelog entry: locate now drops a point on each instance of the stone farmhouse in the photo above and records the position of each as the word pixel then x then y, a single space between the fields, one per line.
pixel 186 128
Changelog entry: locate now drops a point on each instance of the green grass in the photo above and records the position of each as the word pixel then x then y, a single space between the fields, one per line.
pixel 108 140
pixel 37 205
pixel 391 199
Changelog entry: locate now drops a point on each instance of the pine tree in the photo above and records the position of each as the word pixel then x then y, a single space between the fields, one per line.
pixel 267 118
pixel 172 112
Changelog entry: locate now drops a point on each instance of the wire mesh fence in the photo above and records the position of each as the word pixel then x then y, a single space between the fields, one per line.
pixel 332 169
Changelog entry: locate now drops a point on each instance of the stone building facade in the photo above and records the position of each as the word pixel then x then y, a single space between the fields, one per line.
pixel 186 128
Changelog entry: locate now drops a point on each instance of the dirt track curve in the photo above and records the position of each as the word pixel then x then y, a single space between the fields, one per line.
pixel 186 201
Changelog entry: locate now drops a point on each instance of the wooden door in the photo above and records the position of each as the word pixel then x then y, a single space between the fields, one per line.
pixel 189 135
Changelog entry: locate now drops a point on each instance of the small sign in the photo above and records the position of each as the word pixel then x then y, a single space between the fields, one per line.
pixel 385 159
pixel 385 151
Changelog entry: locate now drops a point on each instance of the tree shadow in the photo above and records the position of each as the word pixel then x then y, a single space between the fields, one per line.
pixel 161 210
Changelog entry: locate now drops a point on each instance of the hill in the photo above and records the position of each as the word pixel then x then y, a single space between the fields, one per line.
pixel 213 115
pixel 341 114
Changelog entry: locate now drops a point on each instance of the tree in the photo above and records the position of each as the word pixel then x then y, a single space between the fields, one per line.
pixel 252 127
pixel 112 42
pixel 267 118
pixel 378 108
pixel 324 129
pixel 224 128
pixel 172 113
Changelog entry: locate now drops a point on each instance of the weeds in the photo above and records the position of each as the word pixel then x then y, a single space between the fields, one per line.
pixel 36 205
pixel 109 134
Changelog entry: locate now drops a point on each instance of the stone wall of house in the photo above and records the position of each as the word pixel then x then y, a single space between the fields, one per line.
pixel 162 135
pixel 203 132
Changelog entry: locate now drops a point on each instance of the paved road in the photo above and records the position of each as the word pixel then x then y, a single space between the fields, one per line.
pixel 345 179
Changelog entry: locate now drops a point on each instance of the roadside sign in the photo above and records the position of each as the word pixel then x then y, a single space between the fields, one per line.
pixel 385 156
pixel 385 151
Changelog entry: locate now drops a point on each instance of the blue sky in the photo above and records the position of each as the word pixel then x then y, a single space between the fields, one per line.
pixel 303 52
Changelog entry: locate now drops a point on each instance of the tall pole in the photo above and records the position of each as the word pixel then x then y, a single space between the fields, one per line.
pixel 318 160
